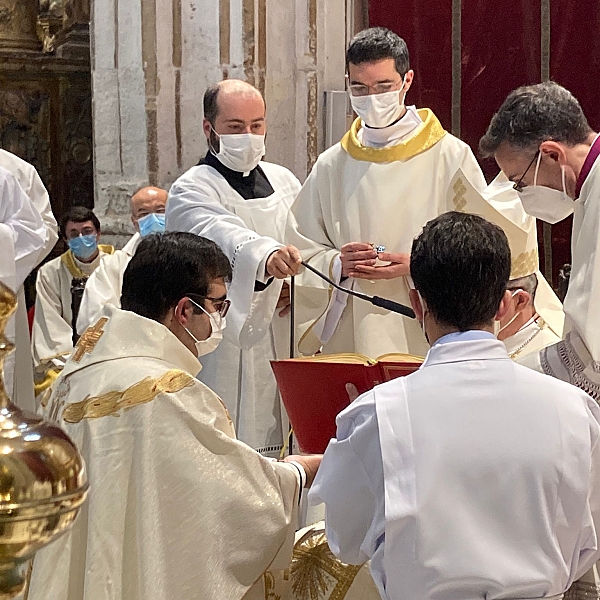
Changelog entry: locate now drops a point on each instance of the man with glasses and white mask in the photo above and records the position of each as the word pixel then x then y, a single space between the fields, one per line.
pixel 543 142
pixel 178 507
pixel 241 202
pixel 367 198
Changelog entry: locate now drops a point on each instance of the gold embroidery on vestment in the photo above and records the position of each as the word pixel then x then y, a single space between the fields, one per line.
pixel 91 336
pixel 525 264
pixel 459 200
pixel 269 580
pixel 315 571
pixel 142 392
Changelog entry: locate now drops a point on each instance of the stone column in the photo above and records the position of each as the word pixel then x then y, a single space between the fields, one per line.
pixel 153 59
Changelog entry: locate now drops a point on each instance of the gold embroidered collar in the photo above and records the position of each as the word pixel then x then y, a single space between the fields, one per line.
pixel 68 259
pixel 426 135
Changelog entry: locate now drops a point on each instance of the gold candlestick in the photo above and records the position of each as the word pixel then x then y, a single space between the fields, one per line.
pixel 43 482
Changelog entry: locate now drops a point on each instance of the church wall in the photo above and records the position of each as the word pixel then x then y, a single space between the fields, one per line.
pixel 153 59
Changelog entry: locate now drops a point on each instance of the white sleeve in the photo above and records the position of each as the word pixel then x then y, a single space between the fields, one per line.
pixel 38 194
pixel 103 287
pixel 350 483
pixel 29 233
pixel 589 552
pixel 52 335
pixel 194 206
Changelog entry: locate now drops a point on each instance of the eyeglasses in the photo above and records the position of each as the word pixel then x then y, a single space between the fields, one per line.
pixel 517 186
pixel 358 89
pixel 85 231
pixel 220 305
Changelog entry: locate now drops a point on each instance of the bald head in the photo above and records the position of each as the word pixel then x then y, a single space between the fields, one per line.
pixel 233 106
pixel 147 200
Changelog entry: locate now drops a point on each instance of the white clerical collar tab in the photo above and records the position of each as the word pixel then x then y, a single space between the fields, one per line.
pixel 394 134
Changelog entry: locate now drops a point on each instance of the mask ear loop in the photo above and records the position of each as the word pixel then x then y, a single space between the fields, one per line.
pixel 537 168
pixel 424 309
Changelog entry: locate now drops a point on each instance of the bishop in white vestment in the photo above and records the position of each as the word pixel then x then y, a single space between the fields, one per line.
pixel 243 207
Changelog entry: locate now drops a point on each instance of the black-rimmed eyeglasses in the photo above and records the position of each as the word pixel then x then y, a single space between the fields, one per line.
pixel 518 186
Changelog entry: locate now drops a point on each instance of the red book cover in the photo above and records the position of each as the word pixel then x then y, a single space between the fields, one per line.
pixel 313 389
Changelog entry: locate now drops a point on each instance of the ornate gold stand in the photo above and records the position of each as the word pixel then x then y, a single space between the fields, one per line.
pixel 43 482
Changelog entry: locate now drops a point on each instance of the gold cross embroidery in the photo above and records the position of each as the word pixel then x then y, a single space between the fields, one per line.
pixel 87 342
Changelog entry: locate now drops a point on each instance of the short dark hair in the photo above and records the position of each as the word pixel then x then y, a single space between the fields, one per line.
pixel 460 264
pixel 378 43
pixel 167 267
pixel 78 214
pixel 211 106
pixel 533 114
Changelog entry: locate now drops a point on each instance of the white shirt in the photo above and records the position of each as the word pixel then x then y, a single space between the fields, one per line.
pixel 481 490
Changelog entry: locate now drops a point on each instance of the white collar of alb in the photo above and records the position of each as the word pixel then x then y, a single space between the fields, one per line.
pixel 394 134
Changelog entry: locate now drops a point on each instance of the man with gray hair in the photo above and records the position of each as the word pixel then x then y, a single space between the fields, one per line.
pixel 543 142
pixel 241 202
pixel 522 329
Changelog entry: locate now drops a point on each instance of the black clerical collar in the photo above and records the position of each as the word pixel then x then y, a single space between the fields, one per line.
pixel 253 185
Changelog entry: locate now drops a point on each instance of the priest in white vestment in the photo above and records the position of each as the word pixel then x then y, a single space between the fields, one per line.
pixel 366 199
pixel 178 507
pixel 52 333
pixel 104 286
pixel 20 363
pixel 535 317
pixel 242 203
pixel 473 477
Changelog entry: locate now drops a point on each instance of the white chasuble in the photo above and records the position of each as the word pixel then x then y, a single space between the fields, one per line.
pixel 178 508
pixel 382 196
pixel 203 202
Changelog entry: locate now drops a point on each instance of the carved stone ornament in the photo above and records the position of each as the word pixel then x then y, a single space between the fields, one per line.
pixel 18 25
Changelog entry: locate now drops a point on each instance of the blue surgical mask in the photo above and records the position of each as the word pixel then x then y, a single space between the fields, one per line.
pixel 152 223
pixel 84 246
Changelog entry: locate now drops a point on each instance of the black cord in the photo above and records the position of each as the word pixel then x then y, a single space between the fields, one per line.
pixel 375 300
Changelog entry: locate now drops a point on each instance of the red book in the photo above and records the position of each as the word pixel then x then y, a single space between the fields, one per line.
pixel 313 389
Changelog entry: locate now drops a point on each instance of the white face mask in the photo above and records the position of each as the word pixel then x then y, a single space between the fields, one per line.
pixel 424 308
pixel 546 203
pixel 498 329
pixel 240 152
pixel 210 344
pixel 379 110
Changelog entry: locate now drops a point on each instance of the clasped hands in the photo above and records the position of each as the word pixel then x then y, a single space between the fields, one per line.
pixel 359 259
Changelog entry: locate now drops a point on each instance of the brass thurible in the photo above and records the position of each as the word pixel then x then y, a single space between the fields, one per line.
pixel 43 480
